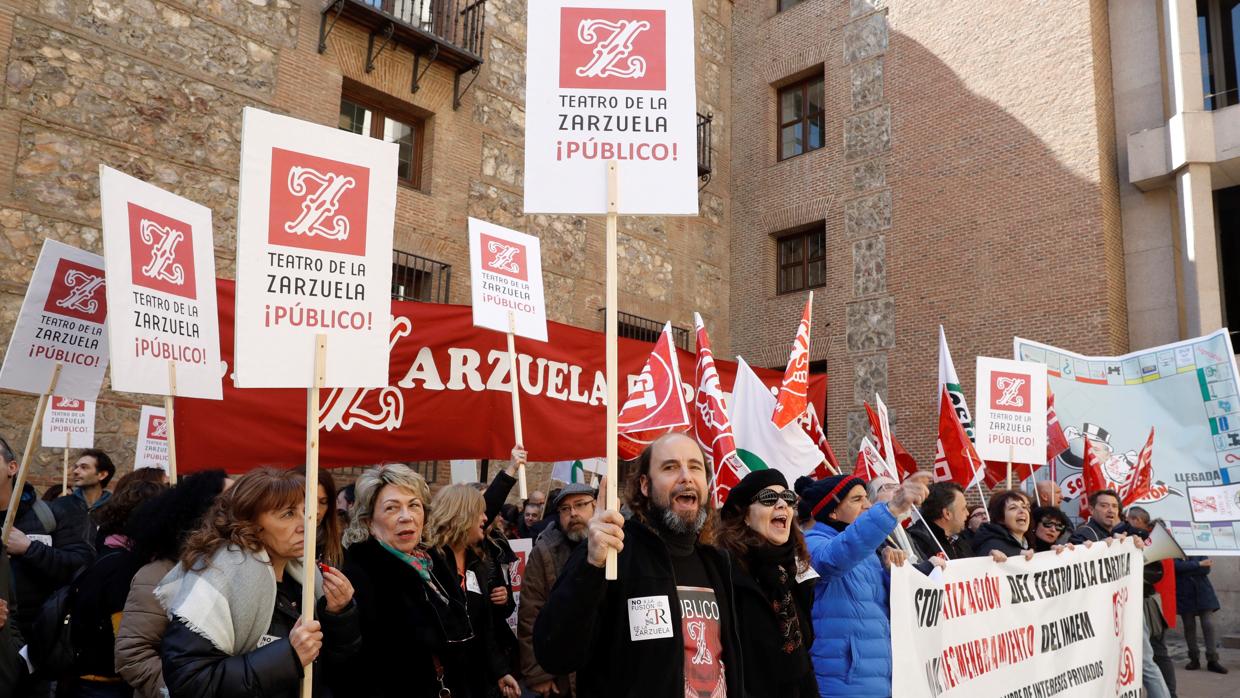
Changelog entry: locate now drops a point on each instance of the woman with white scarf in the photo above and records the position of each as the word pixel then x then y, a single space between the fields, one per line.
pixel 234 600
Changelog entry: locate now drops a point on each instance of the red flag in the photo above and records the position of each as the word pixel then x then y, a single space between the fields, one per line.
pixel 793 394
pixel 869 463
pixel 905 464
pixel 1166 589
pixel 996 472
pixel 656 402
pixel 1056 441
pixel 1091 474
pixel 1136 484
pixel 711 425
pixel 956 460
pixel 813 427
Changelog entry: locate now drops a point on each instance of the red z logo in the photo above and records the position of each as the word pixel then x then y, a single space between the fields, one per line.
pixel 82 291
pixel 504 257
pixel 163 241
pixel 319 205
pixel 613 48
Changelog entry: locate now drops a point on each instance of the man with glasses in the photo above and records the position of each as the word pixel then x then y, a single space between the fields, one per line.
pixel 574 507
pixel 943 518
pixel 48 544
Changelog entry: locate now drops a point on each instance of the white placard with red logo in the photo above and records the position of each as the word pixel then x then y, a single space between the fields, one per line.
pixel 61 321
pixel 314 253
pixel 152 439
pixel 611 80
pixel 72 417
pixel 1010 410
pixel 160 257
pixel 505 269
pixel 521 547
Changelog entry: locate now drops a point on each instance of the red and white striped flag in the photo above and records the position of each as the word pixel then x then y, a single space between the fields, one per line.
pixel 711 425
pixel 793 395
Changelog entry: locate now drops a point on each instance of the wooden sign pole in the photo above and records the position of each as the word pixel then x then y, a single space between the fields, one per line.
pixel 169 423
pixel 516 403
pixel 64 477
pixel 613 408
pixel 19 483
pixel 981 492
pixel 312 497
pixel 1007 484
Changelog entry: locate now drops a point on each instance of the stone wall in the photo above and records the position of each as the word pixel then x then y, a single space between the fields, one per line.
pixel 155 88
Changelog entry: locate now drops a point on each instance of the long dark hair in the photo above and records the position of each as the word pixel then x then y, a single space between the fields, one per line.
pixel 640 504
pixel 736 537
pixel 131 491
pixel 330 533
pixel 159 527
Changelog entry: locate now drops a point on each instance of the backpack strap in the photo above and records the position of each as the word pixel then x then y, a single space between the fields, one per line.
pixel 44 514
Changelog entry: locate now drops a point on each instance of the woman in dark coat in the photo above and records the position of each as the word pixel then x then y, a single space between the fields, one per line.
pixel 417 635
pixel 1009 522
pixel 774 586
pixel 1195 600
pixel 234 601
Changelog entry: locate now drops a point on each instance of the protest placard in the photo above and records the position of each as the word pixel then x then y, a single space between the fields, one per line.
pixel 314 253
pixel 505 269
pixel 69 422
pixel 160 260
pixel 1186 392
pixel 61 322
pixel 1010 411
pixel 521 547
pixel 152 439
pixel 1066 625
pixel 611 80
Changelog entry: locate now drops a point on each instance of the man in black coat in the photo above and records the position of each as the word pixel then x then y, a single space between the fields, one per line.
pixel 667 626
pixel 1104 510
pixel 943 517
pixel 48 544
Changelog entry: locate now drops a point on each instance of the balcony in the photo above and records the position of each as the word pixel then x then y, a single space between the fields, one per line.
pixel 646 330
pixel 448 31
pixel 417 278
pixel 703 147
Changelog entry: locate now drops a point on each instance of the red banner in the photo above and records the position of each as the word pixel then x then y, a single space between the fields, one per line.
pixel 448 398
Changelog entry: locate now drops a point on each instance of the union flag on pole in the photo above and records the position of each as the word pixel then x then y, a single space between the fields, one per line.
pixel 813 428
pixel 956 459
pixel 1136 484
pixel 793 394
pixel 905 464
pixel 1056 441
pixel 1094 480
pixel 656 401
pixel 869 461
pixel 711 425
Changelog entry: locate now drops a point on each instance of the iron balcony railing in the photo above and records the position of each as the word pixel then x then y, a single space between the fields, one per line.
pixel 703 145
pixel 457 22
pixel 417 278
pixel 645 329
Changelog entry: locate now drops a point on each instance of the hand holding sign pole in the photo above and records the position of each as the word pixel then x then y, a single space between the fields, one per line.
pixel 312 495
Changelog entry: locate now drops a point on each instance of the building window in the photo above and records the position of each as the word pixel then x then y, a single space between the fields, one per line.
pixel 788 4
pixel 1216 23
pixel 417 278
pixel 404 130
pixel 644 329
pixel 1227 215
pixel 800 117
pixel 802 259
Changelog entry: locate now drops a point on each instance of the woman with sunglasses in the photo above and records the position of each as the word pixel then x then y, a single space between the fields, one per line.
pixel 1050 528
pixel 774 586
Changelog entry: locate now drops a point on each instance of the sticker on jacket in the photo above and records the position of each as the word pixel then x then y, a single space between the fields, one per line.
pixel 40 538
pixel 701 629
pixel 266 640
pixel 471 582
pixel 650 617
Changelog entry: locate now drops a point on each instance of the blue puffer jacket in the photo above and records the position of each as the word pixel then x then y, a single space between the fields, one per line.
pixel 852 631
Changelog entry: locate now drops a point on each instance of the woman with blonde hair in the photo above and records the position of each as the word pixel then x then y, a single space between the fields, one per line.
pixel 236 626
pixel 457 526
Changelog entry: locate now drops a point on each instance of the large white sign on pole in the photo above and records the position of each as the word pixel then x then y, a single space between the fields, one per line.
pixel 152 439
pixel 1067 625
pixel 69 417
pixel 611 80
pixel 1010 411
pixel 505 269
pixel 160 257
pixel 314 254
pixel 61 322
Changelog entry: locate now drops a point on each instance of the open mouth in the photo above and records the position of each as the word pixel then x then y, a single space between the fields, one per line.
pixel 686 499
pixel 407 534
pixel 779 522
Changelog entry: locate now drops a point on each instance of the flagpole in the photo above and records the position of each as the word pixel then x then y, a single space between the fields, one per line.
pixel 978 482
pixel 310 522
pixel 613 408
pixel 516 403
pixel 1007 484
pixel 64 477
pixel 168 421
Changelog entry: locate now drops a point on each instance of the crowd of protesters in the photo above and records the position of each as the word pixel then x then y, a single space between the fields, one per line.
pixel 136 588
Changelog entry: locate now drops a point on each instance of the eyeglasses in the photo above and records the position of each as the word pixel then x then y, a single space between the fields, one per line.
pixel 977 515
pixel 1052 526
pixel 583 505
pixel 769 498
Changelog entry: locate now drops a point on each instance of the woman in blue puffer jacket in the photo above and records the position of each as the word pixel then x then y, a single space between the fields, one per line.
pixel 852 631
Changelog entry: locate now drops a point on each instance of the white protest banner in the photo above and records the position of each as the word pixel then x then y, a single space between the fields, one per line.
pixel 521 547
pixel 72 417
pixel 61 322
pixel 314 254
pixel 160 257
pixel 1067 625
pixel 611 80
pixel 152 439
pixel 464 471
pixel 505 270
pixel 1010 411
pixel 1185 391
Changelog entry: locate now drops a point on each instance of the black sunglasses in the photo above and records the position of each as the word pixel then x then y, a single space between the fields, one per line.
pixel 1053 525
pixel 769 498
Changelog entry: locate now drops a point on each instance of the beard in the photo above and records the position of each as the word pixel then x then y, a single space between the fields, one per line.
pixel 677 523
pixel 575 532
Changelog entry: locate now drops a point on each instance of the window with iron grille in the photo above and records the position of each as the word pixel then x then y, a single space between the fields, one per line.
pixel 800 117
pixel 417 278
pixel 406 130
pixel 646 330
pixel 801 259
